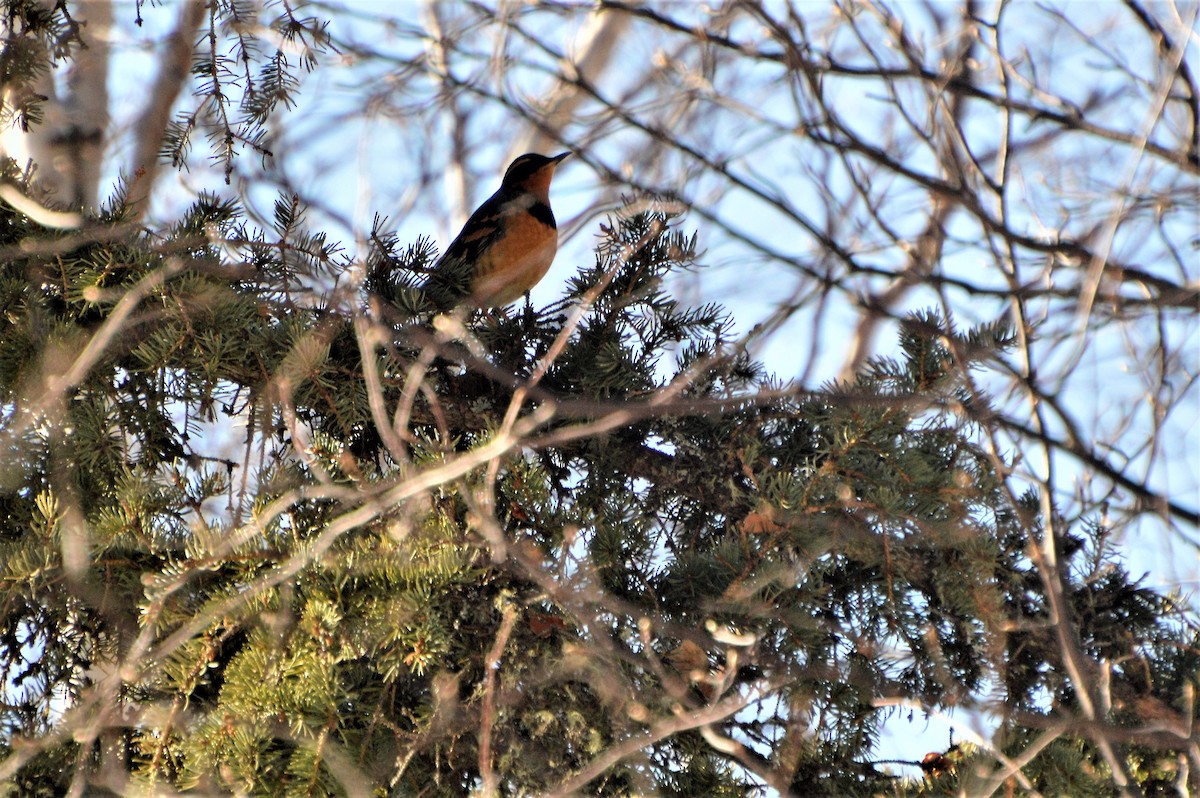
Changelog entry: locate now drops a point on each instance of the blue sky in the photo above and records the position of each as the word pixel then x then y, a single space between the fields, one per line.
pixel 367 138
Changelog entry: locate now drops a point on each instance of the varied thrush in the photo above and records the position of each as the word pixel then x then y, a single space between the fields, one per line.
pixel 506 246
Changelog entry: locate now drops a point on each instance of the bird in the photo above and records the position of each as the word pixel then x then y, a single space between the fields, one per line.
pixel 507 245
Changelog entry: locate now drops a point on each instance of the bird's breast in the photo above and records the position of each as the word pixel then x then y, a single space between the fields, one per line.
pixel 518 259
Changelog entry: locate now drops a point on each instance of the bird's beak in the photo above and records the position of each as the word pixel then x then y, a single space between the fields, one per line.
pixel 559 157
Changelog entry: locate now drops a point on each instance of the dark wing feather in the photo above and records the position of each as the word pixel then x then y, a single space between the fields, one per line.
pixel 450 279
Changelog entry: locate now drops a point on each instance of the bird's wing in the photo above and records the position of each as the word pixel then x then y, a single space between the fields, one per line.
pixel 450 279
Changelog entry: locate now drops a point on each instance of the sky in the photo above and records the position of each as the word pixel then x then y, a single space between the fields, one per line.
pixel 366 138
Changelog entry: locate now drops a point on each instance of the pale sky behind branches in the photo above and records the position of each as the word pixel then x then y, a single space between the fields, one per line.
pixel 367 137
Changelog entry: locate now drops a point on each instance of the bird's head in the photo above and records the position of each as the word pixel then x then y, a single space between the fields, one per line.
pixel 532 172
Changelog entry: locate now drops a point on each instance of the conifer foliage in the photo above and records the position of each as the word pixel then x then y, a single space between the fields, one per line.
pixel 592 548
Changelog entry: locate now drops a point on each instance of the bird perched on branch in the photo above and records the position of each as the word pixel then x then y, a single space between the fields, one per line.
pixel 506 246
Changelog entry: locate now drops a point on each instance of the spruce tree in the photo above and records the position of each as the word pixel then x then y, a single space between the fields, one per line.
pixel 592 548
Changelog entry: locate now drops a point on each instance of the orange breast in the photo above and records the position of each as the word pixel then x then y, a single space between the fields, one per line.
pixel 515 262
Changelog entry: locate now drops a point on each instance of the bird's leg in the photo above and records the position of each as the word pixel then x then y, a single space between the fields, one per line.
pixel 528 320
